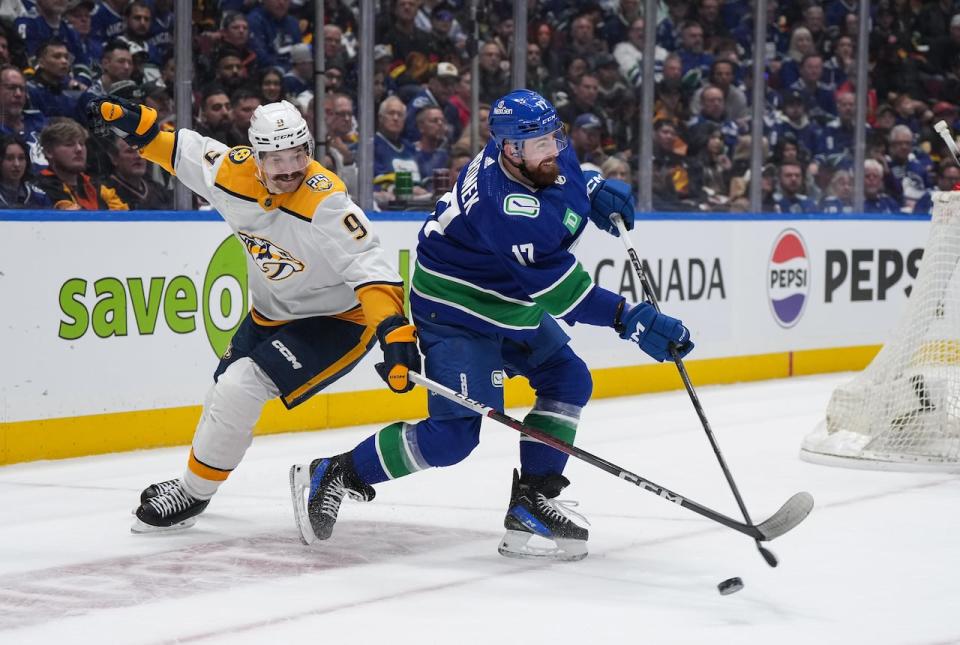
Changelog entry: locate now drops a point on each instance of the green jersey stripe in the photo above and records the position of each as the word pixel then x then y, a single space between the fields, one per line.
pixel 468 311
pixel 467 283
pixel 566 293
pixel 483 304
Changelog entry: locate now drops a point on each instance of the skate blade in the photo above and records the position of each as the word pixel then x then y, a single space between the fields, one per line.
pixel 515 544
pixel 299 488
pixel 140 527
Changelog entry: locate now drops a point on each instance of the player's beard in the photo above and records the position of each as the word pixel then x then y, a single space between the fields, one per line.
pixel 545 174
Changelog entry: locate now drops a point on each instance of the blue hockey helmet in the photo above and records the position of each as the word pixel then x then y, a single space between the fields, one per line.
pixel 522 115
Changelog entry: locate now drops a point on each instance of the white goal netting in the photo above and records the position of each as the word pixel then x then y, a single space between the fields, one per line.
pixel 903 411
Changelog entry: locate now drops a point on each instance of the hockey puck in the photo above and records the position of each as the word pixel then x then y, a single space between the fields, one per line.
pixel 729 586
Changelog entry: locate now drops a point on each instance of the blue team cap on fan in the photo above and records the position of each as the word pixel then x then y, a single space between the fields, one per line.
pixel 588 121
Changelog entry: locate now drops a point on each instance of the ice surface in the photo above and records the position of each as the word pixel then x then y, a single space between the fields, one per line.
pixel 877 561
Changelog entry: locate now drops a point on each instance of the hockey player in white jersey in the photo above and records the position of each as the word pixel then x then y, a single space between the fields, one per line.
pixel 322 290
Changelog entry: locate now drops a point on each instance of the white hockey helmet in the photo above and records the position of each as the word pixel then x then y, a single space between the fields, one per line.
pixel 278 126
pixel 275 127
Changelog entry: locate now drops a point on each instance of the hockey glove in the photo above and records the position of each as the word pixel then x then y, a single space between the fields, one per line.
pixel 609 196
pixel 654 332
pixel 398 340
pixel 136 124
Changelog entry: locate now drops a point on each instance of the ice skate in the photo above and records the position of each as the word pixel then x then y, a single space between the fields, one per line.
pixel 535 514
pixel 167 507
pixel 317 491
pixel 154 490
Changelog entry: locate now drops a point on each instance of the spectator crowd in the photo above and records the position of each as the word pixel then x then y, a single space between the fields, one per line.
pixel 586 57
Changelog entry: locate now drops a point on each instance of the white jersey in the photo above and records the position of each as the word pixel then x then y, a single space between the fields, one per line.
pixel 309 252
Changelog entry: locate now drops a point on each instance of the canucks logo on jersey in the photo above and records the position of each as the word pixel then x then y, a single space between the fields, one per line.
pixel 274 262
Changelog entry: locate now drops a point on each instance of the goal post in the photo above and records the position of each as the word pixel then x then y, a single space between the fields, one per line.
pixel 903 411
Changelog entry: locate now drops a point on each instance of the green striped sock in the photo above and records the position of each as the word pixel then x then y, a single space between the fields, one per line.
pixel 537 458
pixel 398 452
pixel 563 428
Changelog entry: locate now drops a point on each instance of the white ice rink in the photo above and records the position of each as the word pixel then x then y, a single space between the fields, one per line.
pixel 878 560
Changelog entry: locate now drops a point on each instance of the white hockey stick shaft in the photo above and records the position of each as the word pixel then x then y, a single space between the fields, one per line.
pixel 944 131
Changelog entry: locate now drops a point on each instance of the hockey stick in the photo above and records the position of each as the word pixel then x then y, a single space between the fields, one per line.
pixel 790 514
pixel 944 131
pixel 768 555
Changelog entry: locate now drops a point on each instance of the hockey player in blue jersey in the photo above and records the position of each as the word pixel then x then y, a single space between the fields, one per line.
pixel 494 270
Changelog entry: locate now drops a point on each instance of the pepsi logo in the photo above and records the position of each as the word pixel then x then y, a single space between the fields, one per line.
pixel 788 278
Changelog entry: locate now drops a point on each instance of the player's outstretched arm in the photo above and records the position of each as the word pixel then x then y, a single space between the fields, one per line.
pixel 653 331
pixel 609 197
pixel 137 124
pixel 191 157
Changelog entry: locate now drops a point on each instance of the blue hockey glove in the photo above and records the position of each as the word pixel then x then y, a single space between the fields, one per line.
pixel 137 124
pixel 609 196
pixel 654 332
pixel 398 340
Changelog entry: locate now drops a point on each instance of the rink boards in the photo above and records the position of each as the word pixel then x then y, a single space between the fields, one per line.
pixel 113 323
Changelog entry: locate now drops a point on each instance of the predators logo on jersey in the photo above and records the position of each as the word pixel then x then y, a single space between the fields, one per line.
pixel 275 262
pixel 239 155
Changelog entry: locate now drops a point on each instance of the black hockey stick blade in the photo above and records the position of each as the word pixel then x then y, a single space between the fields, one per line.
pixel 793 511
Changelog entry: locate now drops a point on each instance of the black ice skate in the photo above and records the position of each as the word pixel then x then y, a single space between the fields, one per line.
pixel 317 491
pixel 534 512
pixel 167 507
pixel 153 490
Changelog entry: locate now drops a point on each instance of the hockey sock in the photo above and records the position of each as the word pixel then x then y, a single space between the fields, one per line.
pixel 557 419
pixel 390 453
pixel 201 480
pixel 225 430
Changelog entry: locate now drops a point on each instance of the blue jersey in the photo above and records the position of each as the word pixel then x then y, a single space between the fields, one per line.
pixel 33 123
pixel 427 162
pixel 794 204
pixel 91 51
pixel 293 85
pixel 880 204
pixel 835 138
pixel 34 31
pixel 495 256
pixel 105 23
pixel 161 35
pixel 834 205
pixel 272 39
pixel 924 205
pixel 56 101
pixel 389 158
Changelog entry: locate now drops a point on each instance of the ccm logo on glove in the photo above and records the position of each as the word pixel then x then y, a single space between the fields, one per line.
pixel 655 332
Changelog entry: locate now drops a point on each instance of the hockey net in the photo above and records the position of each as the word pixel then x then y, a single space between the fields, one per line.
pixel 903 411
